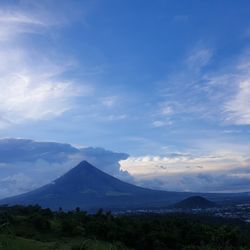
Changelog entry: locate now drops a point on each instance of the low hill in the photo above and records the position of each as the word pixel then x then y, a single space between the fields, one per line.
pixel 194 202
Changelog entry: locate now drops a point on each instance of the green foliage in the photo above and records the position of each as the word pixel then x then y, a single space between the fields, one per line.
pixel 35 228
pixel 97 245
pixel 39 222
pixel 14 243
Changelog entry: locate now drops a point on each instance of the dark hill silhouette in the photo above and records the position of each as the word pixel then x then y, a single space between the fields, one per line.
pixel 194 202
pixel 89 188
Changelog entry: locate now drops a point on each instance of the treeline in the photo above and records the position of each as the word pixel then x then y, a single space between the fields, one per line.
pixel 142 232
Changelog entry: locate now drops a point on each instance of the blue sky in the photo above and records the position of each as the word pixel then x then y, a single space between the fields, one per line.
pixel 159 80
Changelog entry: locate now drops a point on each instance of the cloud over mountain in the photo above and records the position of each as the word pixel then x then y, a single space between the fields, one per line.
pixel 27 164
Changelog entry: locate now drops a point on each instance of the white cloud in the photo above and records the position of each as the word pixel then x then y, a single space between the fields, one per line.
pixel 167 110
pixel 36 17
pixel 29 93
pixel 230 91
pixel 183 91
pixel 237 109
pixel 189 172
pixel 162 117
pixel 181 163
pixel 111 118
pixel 16 22
pixel 31 83
pixel 160 123
pixel 199 58
pixel 16 183
pixel 110 101
pixel 220 95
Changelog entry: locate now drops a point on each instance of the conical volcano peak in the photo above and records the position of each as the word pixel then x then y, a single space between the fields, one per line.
pixel 83 167
pixel 82 172
pixel 84 164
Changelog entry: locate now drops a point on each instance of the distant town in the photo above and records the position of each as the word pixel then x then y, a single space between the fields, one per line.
pixel 239 211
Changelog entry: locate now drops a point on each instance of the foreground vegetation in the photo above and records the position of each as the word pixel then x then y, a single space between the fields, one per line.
pixel 34 228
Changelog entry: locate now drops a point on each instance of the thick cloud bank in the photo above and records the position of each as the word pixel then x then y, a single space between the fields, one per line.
pixel 225 172
pixel 27 164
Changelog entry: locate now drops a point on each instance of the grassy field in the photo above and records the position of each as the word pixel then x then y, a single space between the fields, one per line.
pixel 18 243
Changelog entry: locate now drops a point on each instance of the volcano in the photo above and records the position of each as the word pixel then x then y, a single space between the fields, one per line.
pixel 89 188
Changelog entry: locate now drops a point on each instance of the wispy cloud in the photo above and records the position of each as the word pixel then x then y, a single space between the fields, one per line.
pixel 183 90
pixel 110 101
pixel 230 90
pixel 115 117
pixel 162 116
pixel 30 93
pixel 166 109
pixel 221 95
pixel 26 17
pixel 227 90
pixel 32 86
pixel 237 109
pixel 161 123
pixel 199 58
pixel 16 22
